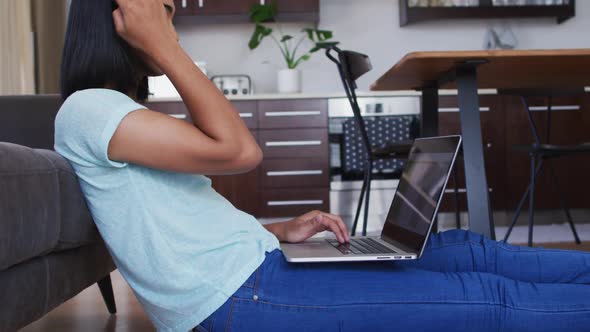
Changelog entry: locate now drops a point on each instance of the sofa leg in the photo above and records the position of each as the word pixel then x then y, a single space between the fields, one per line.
pixel 106 289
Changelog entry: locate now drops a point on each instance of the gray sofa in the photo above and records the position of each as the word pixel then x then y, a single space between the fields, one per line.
pixel 50 249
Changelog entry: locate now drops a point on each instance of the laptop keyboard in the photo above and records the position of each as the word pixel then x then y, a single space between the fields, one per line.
pixel 361 246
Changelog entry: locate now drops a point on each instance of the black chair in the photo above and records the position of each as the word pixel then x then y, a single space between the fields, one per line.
pixel 351 66
pixel 539 153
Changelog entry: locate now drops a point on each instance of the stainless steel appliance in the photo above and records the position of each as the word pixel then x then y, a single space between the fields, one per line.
pixel 344 190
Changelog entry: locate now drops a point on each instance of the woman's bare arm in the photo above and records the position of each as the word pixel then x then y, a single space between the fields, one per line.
pixel 218 143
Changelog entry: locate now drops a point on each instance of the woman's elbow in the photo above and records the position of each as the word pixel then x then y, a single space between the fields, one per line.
pixel 249 159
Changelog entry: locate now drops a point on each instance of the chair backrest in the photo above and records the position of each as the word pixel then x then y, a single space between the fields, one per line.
pixel 381 131
pixel 29 120
pixel 352 65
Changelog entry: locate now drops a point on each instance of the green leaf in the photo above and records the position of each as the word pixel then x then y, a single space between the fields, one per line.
pixel 323 45
pixel 263 13
pixel 285 38
pixel 302 58
pixel 309 32
pixel 259 33
pixel 323 34
pixel 316 35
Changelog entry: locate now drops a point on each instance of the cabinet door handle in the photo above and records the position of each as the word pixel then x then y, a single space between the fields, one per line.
pixel 294 173
pixel 296 113
pixel 456 109
pixel 292 143
pixel 288 203
pixel 462 190
pixel 452 191
pixel 178 116
pixel 246 115
pixel 184 4
pixel 201 3
pixel 555 108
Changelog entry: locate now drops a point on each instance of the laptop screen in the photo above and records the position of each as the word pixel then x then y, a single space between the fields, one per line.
pixel 419 191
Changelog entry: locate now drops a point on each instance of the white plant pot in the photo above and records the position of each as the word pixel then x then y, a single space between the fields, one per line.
pixel 289 81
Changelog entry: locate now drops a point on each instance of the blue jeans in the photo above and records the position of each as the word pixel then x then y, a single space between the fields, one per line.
pixel 463 282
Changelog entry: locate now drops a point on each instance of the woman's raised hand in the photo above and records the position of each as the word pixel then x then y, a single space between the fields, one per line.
pixel 146 24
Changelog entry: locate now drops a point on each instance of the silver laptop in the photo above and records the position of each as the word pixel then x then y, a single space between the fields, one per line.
pixel 410 217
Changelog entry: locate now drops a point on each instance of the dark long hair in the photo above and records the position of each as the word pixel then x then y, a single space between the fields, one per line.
pixel 94 55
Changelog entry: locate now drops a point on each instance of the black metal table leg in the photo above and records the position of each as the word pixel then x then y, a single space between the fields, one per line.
pixel 478 201
pixel 429 119
pixel 429 112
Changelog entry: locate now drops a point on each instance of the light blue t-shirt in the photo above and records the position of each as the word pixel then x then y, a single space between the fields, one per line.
pixel 182 248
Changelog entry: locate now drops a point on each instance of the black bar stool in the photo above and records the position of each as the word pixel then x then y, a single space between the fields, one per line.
pixel 540 152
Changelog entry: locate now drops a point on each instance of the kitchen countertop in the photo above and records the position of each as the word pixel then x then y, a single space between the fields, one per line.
pixel 276 96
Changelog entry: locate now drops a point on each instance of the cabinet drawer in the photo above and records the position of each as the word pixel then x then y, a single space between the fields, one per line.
pixel 448 104
pixel 248 112
pixel 300 143
pixel 172 108
pixel 293 113
pixel 292 202
pixel 537 104
pixel 307 172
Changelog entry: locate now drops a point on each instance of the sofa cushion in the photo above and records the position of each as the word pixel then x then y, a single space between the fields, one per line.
pixel 42 208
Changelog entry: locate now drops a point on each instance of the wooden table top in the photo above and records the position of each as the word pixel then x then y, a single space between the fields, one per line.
pixel 505 69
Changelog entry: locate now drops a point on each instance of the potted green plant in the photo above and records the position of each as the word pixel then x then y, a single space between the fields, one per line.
pixel 288 79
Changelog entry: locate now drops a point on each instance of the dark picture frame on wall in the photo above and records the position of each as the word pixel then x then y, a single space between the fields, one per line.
pixel 414 11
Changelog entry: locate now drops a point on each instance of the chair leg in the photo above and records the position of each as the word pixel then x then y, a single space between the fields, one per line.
pixel 521 203
pixel 360 203
pixel 106 289
pixel 563 204
pixel 367 194
pixel 532 201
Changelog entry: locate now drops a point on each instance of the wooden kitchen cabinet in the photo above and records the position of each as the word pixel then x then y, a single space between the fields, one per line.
pixel 294 176
pixel 237 11
pixel 298 10
pixel 494 146
pixel 200 8
pixel 223 7
pixel 184 7
pixel 299 6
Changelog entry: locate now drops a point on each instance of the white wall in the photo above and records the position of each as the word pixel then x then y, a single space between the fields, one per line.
pixel 371 27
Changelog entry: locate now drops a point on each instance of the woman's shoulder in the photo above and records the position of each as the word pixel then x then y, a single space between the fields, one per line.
pixel 92 106
pixel 90 96
pixel 89 101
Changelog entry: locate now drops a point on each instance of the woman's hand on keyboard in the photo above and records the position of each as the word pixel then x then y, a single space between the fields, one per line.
pixel 303 227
